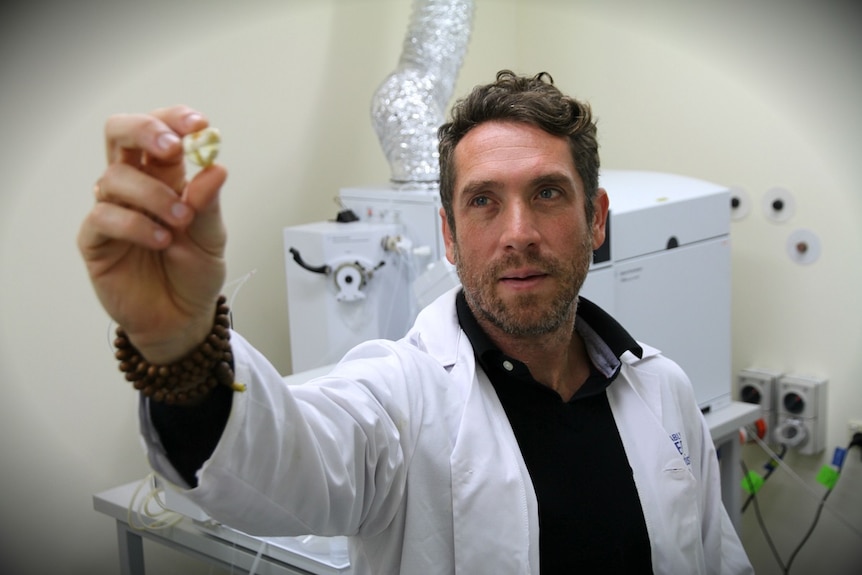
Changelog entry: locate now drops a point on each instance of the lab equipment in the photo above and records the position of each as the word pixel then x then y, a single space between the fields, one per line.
pixel 410 103
pixel 346 283
pixel 663 272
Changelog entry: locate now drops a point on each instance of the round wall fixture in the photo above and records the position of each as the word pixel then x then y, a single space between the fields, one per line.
pixel 778 205
pixel 803 246
pixel 792 432
pixel 740 204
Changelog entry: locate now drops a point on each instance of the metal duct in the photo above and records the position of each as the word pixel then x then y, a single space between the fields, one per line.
pixel 410 104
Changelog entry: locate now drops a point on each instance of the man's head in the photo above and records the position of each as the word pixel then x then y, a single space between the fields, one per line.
pixel 527 219
pixel 535 101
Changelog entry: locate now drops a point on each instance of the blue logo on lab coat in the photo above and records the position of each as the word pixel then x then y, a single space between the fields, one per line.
pixel 677 440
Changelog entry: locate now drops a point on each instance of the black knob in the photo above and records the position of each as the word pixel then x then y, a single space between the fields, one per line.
pixel 794 403
pixel 750 394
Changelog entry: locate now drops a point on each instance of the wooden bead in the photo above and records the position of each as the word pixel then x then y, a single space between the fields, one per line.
pixel 192 377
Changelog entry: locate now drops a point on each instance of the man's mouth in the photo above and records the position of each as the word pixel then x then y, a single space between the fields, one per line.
pixel 522 276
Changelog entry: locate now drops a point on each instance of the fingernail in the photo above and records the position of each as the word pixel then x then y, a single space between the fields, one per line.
pixel 193 119
pixel 180 211
pixel 161 235
pixel 166 140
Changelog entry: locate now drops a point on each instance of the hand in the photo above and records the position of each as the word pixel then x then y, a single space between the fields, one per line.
pixel 154 241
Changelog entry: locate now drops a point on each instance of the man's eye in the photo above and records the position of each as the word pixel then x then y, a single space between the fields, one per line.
pixel 480 201
pixel 548 193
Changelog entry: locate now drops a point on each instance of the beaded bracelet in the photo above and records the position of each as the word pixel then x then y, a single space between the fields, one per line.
pixel 189 379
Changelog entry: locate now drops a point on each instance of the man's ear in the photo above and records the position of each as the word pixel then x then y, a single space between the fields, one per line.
pixel 601 204
pixel 448 237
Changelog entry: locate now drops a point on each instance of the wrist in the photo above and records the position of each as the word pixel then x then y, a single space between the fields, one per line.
pixel 159 349
pixel 191 376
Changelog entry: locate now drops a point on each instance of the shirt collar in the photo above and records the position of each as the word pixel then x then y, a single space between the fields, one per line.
pixel 605 339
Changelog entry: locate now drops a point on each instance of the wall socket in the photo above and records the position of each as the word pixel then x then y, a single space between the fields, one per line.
pixel 853 426
pixel 757 386
pixel 801 414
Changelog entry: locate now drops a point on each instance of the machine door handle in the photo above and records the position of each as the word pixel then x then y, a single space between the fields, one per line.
pixel 324 269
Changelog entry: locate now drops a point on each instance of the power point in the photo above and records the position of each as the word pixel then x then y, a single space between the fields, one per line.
pixel 758 386
pixel 801 421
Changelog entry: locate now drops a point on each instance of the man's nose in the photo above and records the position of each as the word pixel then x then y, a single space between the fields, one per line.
pixel 520 227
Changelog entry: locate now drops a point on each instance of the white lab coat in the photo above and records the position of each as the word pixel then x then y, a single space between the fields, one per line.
pixel 405 447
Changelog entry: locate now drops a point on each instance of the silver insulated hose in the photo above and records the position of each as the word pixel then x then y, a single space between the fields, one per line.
pixel 410 104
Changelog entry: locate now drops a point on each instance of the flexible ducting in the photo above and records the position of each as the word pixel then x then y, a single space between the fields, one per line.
pixel 410 104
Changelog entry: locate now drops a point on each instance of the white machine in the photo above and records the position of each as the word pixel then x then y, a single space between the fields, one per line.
pixel 353 280
pixel 346 283
pixel 663 272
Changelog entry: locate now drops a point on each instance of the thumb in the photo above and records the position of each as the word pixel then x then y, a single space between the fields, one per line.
pixel 202 195
pixel 202 192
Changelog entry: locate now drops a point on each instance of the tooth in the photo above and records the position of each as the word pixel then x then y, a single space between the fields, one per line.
pixel 202 147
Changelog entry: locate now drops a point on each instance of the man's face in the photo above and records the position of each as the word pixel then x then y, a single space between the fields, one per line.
pixel 522 246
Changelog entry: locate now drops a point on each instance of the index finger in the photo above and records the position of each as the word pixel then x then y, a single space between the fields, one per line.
pixel 158 134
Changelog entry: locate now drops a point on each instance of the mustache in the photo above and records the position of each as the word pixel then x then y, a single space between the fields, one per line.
pixel 549 266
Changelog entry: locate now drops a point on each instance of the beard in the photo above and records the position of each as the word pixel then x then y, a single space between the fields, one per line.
pixel 528 314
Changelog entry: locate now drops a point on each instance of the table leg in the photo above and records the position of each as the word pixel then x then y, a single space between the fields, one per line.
pixel 131 550
pixel 731 477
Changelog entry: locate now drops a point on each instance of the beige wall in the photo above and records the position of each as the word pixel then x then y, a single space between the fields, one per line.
pixel 750 94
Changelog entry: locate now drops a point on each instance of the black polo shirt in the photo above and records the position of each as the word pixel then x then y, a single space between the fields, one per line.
pixel 590 516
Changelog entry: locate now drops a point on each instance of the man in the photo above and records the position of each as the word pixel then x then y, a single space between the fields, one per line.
pixel 516 428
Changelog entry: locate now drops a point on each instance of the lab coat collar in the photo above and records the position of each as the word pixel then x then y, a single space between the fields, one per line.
pixel 606 338
pixel 439 322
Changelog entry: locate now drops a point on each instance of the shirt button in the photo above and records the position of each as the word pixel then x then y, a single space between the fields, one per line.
pixel 507 365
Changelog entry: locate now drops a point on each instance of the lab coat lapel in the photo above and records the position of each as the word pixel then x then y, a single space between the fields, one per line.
pixel 657 453
pixel 495 513
pixel 494 506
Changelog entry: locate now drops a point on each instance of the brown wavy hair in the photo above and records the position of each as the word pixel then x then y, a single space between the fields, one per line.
pixel 530 100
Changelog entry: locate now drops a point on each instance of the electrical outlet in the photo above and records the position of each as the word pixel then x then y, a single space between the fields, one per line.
pixel 853 426
pixel 801 421
pixel 758 386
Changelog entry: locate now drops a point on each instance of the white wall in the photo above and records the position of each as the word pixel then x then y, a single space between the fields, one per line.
pixel 751 94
